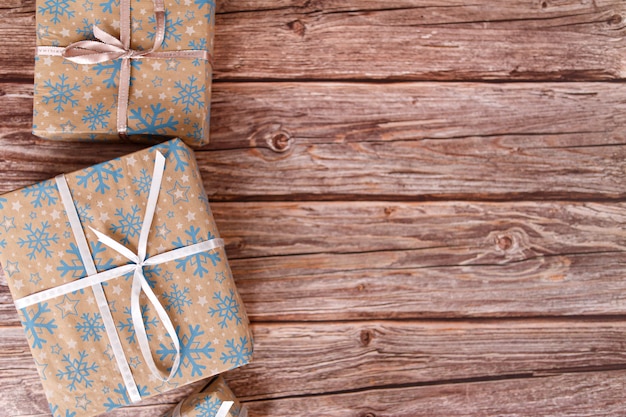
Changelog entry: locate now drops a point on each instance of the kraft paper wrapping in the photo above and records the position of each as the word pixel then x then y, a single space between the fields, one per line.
pixel 167 97
pixel 208 402
pixel 66 334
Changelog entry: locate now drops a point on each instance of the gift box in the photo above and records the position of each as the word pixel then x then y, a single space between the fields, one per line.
pixel 216 400
pixel 121 281
pixel 112 69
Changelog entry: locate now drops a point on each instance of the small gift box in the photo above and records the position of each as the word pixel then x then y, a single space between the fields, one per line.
pixel 216 400
pixel 121 281
pixel 112 69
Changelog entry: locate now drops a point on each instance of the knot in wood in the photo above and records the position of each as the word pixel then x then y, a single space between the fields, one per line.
pixel 280 141
pixel 504 242
pixel 615 19
pixel 366 337
pixel 298 27
pixel 369 415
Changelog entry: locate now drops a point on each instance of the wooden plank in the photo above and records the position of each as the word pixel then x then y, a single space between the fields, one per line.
pixel 412 141
pixel 580 395
pixel 303 359
pixel 407 40
pixel 374 260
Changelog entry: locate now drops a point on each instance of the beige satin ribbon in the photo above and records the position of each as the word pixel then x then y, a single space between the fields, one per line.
pixel 109 48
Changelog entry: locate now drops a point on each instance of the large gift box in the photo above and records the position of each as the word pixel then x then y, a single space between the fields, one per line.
pixel 216 400
pixel 106 69
pixel 121 281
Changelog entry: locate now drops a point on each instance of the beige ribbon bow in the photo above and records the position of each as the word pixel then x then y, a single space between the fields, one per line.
pixel 109 48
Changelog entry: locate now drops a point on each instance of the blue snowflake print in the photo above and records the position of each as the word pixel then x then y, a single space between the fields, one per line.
pixel 76 268
pixel 198 260
pixel 97 116
pixel 191 351
pixel 61 93
pixel 227 308
pixel 177 299
pixel 57 9
pixel 77 371
pixel 122 398
pixel 198 45
pixel 151 122
pixel 87 29
pixel 171 29
pixel 112 69
pixel 35 324
pixel 210 4
pixel 42 192
pixel 143 183
pixel 107 6
pixel 83 213
pixel 128 326
pixel 2 201
pixel 57 413
pixel 238 353
pixel 100 175
pixel 38 240
pixel 197 134
pixel 177 151
pixel 189 94
pixel 90 327
pixel 3 244
pixel 129 223
pixel 207 407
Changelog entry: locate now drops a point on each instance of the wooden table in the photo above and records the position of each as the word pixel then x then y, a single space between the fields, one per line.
pixel 423 204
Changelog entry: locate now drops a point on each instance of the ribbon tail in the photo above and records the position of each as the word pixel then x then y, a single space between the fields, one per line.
pixel 224 408
pixel 139 284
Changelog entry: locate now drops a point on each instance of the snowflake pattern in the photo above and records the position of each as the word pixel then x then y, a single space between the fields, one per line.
pixel 90 327
pixel 207 408
pixel 77 371
pixel 107 5
pixel 122 396
pixel 209 3
pixel 83 213
pixel 191 351
pixel 151 122
pixel 128 326
pixel 97 117
pixel 174 149
pixel 87 29
pixel 129 224
pixel 189 94
pixel 171 28
pixel 198 260
pixel 76 268
pixel 100 175
pixel 38 240
pixel 227 308
pixel 57 9
pixel 143 182
pixel 112 69
pixel 238 353
pixel 177 299
pixel 35 324
pixel 61 93
pixel 2 201
pixel 42 192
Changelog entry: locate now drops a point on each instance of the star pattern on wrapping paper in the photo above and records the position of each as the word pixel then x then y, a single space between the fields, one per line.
pixel 162 231
pixel 179 193
pixel 171 64
pixel 11 268
pixel 67 306
pixel 82 402
pixel 68 126
pixel 8 223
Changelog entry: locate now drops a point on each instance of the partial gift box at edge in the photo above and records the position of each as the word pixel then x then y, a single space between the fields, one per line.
pixel 168 97
pixel 66 334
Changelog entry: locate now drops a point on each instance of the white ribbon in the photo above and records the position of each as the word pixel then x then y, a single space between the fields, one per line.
pixel 222 412
pixel 139 261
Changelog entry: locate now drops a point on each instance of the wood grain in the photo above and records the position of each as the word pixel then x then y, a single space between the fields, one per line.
pixel 438 40
pixel 373 260
pixel 300 359
pixel 407 141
